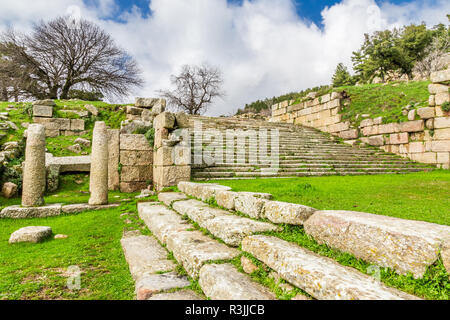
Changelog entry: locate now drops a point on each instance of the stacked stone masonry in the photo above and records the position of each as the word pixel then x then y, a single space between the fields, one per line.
pixel 424 138
pixel 172 152
pixel 54 127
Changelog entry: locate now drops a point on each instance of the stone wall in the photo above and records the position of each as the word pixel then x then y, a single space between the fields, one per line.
pixel 425 137
pixel 172 155
pixel 54 127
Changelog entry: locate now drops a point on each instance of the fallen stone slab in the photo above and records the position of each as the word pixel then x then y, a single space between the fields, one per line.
pixel 290 213
pixel 203 191
pixel 233 229
pixel 229 228
pixel 150 284
pixel 18 212
pixel 190 248
pixel 321 277
pixel 80 207
pixel 224 282
pixel 193 249
pixel 162 221
pixel 30 234
pixel 69 164
pixel 145 255
pixel 251 204
pixel 169 197
pixel 403 245
pixel 177 295
pixel 198 211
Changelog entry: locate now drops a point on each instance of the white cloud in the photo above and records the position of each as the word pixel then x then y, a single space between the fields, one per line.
pixel 262 46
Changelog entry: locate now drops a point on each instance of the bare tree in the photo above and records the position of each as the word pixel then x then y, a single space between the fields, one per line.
pixel 58 56
pixel 433 59
pixel 195 88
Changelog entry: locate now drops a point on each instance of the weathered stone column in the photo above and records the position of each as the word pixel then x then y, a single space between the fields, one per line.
pixel 98 185
pixel 34 170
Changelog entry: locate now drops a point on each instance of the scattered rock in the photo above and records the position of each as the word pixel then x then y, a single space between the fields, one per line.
pixel 76 148
pixel 30 234
pixel 248 266
pixel 91 109
pixel 84 142
pixel 47 102
pixel 9 190
pixel 61 236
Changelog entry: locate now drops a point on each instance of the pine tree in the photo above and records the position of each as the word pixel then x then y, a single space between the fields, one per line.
pixel 342 77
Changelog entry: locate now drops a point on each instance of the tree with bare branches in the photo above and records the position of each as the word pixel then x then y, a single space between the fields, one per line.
pixel 195 88
pixel 59 56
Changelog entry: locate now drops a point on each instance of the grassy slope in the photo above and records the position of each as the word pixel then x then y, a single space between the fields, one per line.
pixel 37 271
pixel 110 113
pixel 385 101
pixel 417 196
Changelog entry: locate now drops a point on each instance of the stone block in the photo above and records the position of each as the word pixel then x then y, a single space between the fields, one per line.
pixel 366 123
pixel 443 157
pixel 134 110
pixel 388 128
pixel 403 245
pixel 136 173
pixel 440 146
pixel 160 135
pixel 42 111
pixel 136 158
pixel 416 147
pixel 164 120
pixel 370 131
pixel 289 213
pixel 77 124
pixel 224 282
pixel 9 190
pixel 442 122
pixel 440 76
pixel 442 98
pixel 432 100
pixel 170 176
pixel 427 157
pixel 426 113
pixel 435 88
pixel 128 187
pixel 46 102
pixel 134 142
pixel 442 134
pixel 349 134
pixel 164 156
pixel 150 284
pixel 378 120
pixel 30 234
pixel 399 138
pixel 412 126
pixel 18 212
pixel 376 140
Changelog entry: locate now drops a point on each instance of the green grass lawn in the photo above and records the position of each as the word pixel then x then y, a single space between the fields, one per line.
pixel 39 271
pixel 417 196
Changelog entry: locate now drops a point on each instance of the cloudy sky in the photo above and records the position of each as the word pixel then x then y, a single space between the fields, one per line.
pixel 264 47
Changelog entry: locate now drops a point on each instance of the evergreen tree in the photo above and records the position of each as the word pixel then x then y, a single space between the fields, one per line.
pixel 342 77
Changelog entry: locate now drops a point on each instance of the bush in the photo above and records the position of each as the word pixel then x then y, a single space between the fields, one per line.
pixel 85 95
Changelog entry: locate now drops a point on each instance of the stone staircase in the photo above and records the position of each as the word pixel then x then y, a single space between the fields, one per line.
pixel 303 151
pixel 210 243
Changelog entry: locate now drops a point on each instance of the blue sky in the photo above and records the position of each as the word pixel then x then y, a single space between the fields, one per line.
pixel 309 10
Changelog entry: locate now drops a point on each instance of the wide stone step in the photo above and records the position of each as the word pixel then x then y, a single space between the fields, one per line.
pixel 231 229
pixel 191 248
pixel 403 245
pixel 321 277
pixel 224 282
pixel 151 269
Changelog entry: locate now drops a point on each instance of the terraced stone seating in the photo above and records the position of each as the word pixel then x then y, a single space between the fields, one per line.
pixel 302 151
pixel 206 239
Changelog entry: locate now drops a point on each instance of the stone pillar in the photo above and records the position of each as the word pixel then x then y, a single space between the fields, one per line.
pixel 98 185
pixel 34 171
